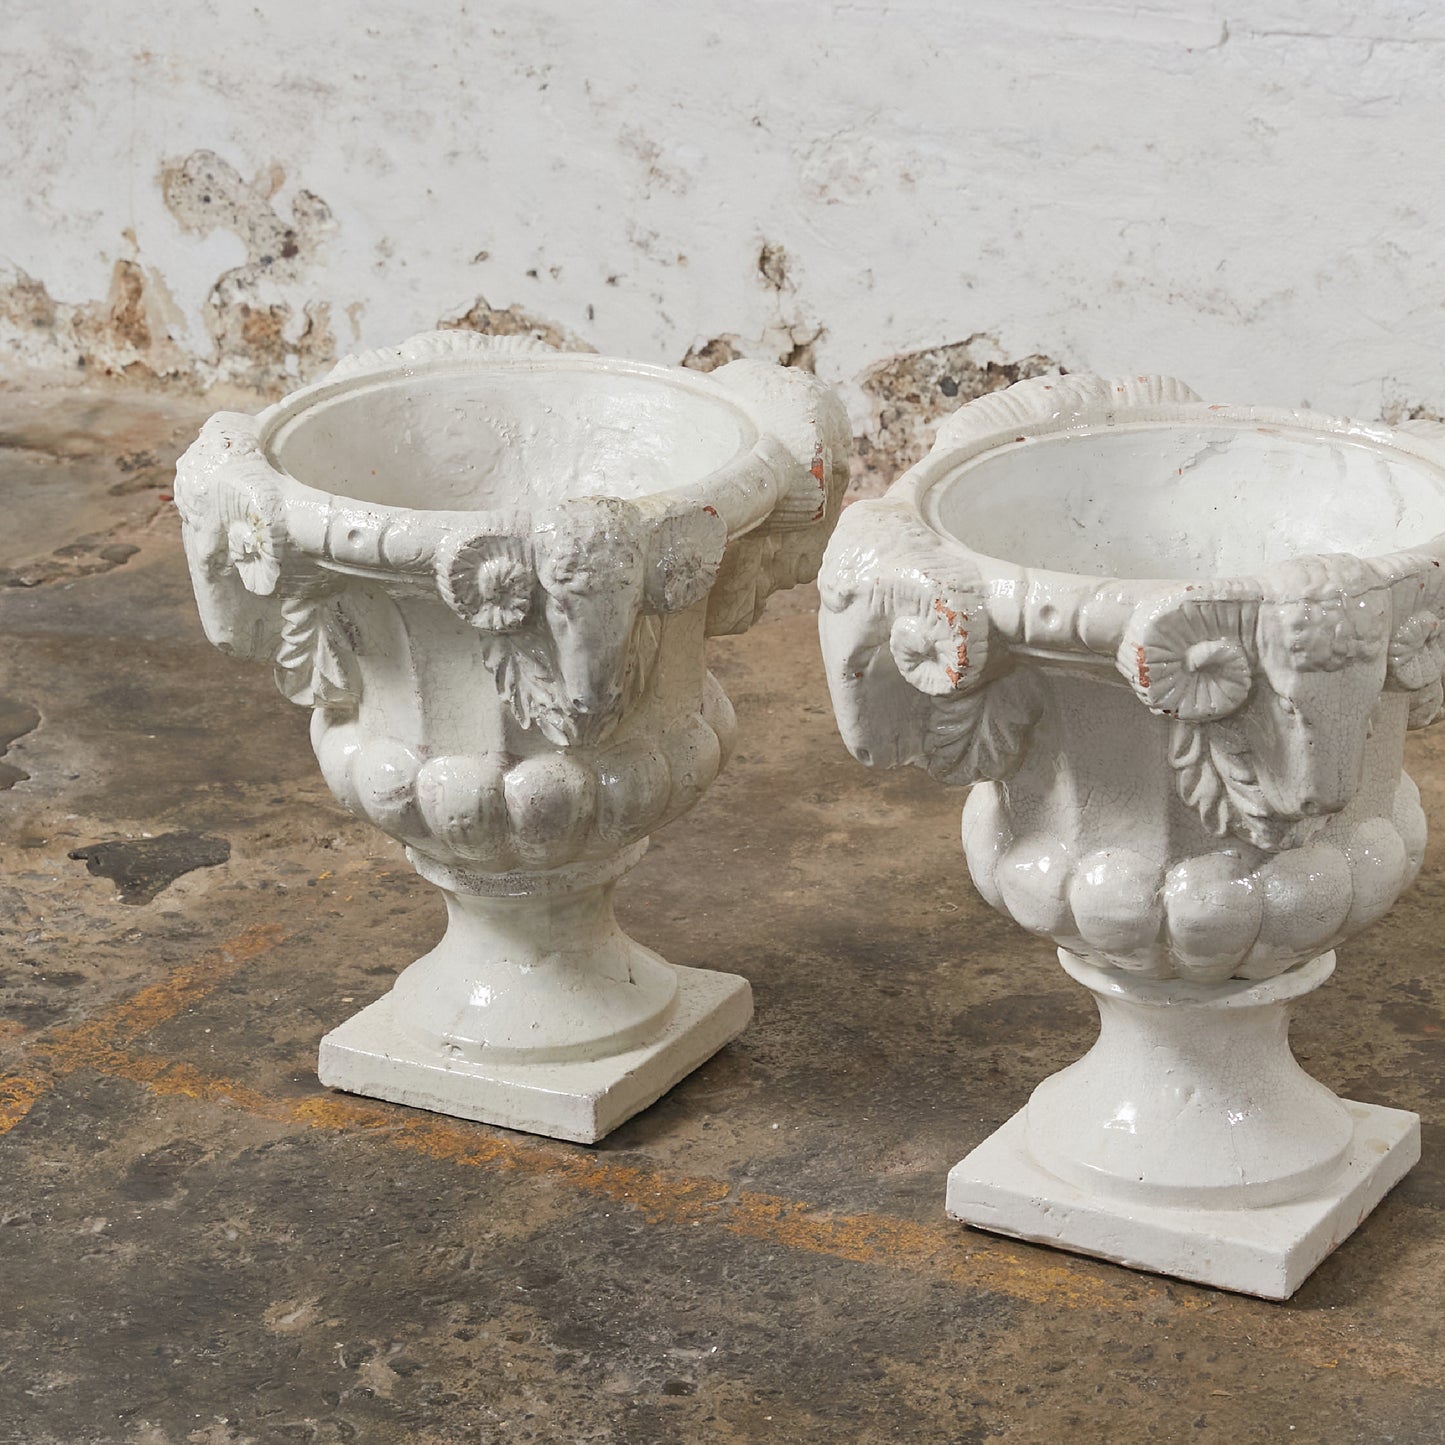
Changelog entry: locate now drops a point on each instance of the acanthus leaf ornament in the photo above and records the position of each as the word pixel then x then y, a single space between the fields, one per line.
pixel 982 736
pixel 521 664
pixel 1426 705
pixel 1215 775
pixel 313 658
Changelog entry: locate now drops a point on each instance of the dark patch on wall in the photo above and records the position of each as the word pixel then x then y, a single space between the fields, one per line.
pixel 142 867
pixel 790 339
pixel 258 337
pixel 709 355
pixel 787 345
pixel 773 265
pixel 1396 412
pixel 113 337
pixel 25 303
pixel 910 394
pixel 802 339
pixel 491 320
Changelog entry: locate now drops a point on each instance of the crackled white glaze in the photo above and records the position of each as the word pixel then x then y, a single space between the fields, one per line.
pixel 489 568
pixel 1176 646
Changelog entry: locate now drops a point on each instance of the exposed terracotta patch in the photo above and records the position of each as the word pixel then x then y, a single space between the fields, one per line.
pixel 952 616
pixel 819 475
pixel 960 661
pixel 1142 667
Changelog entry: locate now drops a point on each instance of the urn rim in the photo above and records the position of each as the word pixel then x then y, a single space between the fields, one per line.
pixel 394 366
pixel 967 440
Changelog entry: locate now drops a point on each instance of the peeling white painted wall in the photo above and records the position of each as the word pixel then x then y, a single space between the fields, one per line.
pixel 1250 197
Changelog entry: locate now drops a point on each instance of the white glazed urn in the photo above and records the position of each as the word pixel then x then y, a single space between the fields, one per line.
pixel 488 568
pixel 1175 648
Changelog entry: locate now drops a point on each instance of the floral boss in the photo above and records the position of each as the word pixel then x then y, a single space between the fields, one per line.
pixel 489 569
pixel 1192 786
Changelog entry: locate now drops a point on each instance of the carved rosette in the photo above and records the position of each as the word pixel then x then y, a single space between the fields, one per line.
pixel 569 608
pixel 1269 687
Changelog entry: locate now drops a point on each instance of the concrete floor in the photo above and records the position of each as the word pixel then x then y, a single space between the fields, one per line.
pixel 198 1243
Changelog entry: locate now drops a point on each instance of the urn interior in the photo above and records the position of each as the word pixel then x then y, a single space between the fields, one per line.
pixel 1155 500
pixel 525 434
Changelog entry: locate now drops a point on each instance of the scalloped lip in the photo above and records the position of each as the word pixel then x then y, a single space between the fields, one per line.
pixel 921 486
pixel 729 489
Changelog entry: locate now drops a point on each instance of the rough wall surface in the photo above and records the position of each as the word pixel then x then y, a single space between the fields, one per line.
pixel 919 200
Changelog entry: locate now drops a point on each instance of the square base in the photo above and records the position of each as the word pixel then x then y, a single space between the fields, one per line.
pixel 579 1101
pixel 1265 1251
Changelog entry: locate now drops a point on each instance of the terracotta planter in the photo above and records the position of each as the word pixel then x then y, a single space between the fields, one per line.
pixel 489 569
pixel 1176 647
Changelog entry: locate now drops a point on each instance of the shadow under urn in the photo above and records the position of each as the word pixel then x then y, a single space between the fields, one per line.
pixel 488 568
pixel 1175 647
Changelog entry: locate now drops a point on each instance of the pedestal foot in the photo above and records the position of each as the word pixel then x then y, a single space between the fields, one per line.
pixel 1268 1251
pixel 1189 1141
pixel 577 1100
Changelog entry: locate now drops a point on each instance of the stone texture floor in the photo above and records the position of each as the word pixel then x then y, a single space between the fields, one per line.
pixel 198 1243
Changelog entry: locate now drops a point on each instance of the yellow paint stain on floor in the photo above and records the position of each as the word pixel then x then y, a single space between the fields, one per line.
pixel 965 1259
pixel 90 1043
pixel 18 1094
pixel 665 1198
pixel 125 1021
